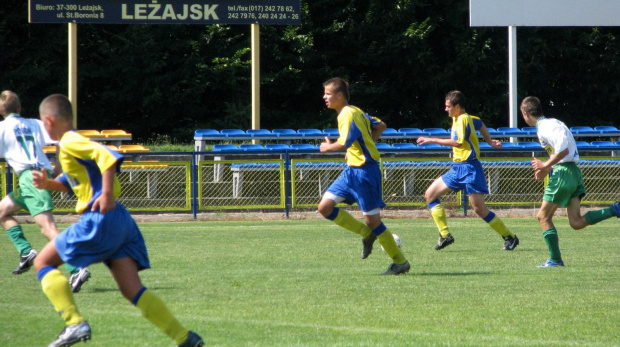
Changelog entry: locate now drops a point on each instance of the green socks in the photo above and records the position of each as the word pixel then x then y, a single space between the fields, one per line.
pixel 19 240
pixel 551 238
pixel 593 217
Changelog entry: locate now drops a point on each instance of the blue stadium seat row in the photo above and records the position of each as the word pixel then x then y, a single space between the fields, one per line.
pixel 386 147
pixel 389 132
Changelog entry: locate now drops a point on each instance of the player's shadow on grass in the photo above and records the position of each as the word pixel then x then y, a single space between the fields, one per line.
pixel 474 273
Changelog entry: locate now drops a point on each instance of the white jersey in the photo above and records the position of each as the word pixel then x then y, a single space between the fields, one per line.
pixel 554 137
pixel 21 143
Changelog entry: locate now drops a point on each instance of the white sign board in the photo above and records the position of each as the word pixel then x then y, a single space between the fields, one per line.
pixel 544 13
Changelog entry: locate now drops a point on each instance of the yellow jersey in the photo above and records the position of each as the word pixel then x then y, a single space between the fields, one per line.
pixel 83 162
pixel 464 133
pixel 355 134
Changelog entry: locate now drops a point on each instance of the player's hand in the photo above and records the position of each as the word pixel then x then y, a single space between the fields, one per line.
pixel 497 144
pixel 537 164
pixel 39 178
pixel 421 140
pixel 540 171
pixel 324 144
pixel 104 203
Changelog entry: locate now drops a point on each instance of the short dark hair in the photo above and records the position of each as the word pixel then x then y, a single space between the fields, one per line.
pixel 456 98
pixel 10 103
pixel 340 85
pixel 58 106
pixel 532 106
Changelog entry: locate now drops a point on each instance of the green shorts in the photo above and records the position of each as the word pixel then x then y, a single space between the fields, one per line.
pixel 29 198
pixel 565 183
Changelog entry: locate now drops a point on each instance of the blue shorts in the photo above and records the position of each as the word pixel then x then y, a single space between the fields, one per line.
pixel 360 184
pixel 97 238
pixel 466 176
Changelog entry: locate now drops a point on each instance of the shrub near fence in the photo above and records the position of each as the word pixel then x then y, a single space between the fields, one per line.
pixel 180 181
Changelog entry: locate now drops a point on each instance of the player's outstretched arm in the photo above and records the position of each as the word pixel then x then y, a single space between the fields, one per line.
pixel 40 180
pixel 497 144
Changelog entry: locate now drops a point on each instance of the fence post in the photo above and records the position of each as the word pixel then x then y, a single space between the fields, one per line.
pixel 287 183
pixel 464 202
pixel 194 185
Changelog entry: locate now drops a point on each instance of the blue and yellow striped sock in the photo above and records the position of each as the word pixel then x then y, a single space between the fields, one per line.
pixel 154 309
pixel 385 238
pixel 439 216
pixel 57 289
pixel 347 221
pixel 497 224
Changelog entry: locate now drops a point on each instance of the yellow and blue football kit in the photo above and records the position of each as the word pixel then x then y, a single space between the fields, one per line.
pixel 360 181
pixel 99 237
pixel 466 173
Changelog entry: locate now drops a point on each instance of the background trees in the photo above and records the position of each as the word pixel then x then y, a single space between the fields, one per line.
pixel 400 57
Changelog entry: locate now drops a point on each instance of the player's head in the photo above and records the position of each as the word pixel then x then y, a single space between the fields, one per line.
pixel 336 93
pixel 531 105
pixel 9 103
pixel 531 110
pixel 455 103
pixel 57 115
pixel 338 85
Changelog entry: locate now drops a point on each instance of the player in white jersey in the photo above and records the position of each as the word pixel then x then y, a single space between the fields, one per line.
pixel 565 187
pixel 21 144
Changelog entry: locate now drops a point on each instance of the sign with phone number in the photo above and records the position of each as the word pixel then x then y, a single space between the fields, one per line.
pixel 272 12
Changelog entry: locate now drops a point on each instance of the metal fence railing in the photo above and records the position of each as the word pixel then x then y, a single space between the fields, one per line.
pixel 207 181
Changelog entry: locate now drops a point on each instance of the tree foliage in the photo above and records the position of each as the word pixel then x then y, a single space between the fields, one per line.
pixel 400 58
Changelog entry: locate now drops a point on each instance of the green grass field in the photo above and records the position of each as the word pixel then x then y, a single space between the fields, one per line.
pixel 302 283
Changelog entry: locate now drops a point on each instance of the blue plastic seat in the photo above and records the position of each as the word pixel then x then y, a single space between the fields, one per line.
pixel 303 147
pixel 234 133
pixel 252 147
pixel 509 145
pixel 383 146
pixel 607 129
pixel 599 144
pixel 405 145
pixel 583 130
pixel 511 131
pixel 492 132
pixel 208 133
pixel 436 132
pixel 529 145
pixel 310 132
pixel 277 146
pixel 484 145
pixel 583 144
pixel 529 130
pixel 259 133
pixel 391 132
pixel 331 132
pixel 411 132
pixel 218 148
pixel 285 132
pixel 432 146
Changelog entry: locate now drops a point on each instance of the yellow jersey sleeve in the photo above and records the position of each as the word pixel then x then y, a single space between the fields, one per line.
pixel 83 162
pixel 355 134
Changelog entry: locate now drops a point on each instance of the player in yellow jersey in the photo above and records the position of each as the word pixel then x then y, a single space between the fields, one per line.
pixel 360 181
pixel 105 232
pixel 466 173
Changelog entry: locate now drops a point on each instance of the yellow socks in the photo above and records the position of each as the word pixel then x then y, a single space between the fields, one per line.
pixel 497 224
pixel 347 221
pixel 439 216
pixel 154 309
pixel 386 240
pixel 57 289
